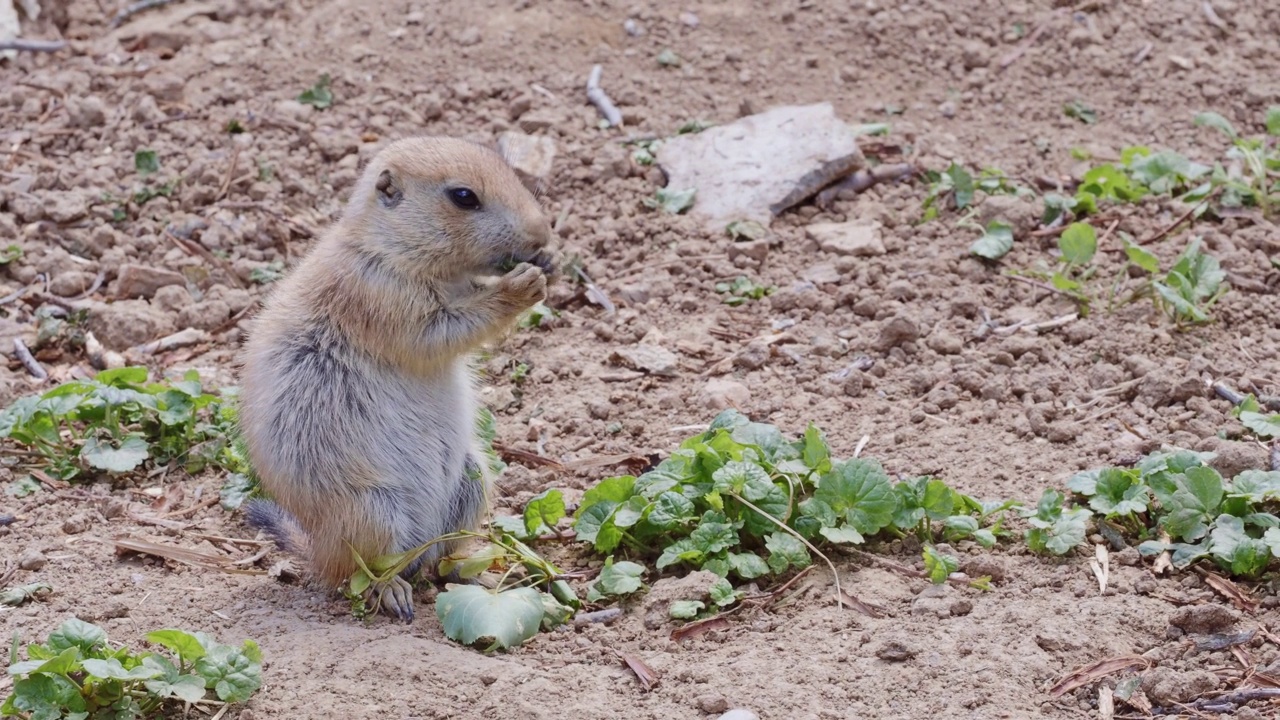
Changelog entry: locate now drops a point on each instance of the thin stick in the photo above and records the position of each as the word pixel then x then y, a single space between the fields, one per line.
pixel 136 8
pixel 33 45
pixel 799 537
pixel 1042 286
pixel 1181 219
pixel 29 361
pixel 226 182
pixel 1051 324
pixel 596 95
pixel 1235 398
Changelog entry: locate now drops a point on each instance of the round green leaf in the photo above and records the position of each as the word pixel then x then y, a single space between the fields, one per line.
pixel 476 616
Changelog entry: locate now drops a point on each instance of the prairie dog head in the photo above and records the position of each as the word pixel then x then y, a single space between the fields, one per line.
pixel 445 208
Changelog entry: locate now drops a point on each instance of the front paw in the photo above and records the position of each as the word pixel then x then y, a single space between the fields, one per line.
pixel 523 287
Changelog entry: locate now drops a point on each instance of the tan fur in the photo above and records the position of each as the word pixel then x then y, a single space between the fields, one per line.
pixel 356 401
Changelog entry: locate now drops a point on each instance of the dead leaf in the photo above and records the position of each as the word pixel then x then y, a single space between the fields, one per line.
pixel 186 556
pixel 526 458
pixel 170 497
pixel 1101 566
pixel 645 674
pixel 1095 671
pixel 1106 703
pixel 1230 591
pixel 852 601
pixel 694 629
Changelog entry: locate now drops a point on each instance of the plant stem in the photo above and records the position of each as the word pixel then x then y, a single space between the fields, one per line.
pixel 790 531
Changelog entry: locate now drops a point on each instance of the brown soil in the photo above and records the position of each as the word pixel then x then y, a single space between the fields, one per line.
pixel 996 415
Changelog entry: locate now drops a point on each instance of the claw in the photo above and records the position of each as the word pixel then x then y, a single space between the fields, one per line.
pixel 397 598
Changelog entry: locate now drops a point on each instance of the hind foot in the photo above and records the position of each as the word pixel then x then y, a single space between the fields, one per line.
pixel 396 598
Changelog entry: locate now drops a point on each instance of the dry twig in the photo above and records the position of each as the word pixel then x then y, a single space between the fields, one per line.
pixel 601 100
pixel 136 8
pixel 29 361
pixel 23 45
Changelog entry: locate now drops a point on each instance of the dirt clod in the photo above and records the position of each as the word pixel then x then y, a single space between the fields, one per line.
pixel 1204 619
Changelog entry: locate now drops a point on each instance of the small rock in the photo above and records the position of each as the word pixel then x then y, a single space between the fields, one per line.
pixel 86 112
pixel 756 167
pixel 532 156
pixel 947 109
pixel 897 331
pixel 294 110
pixel 739 714
pixel 111 611
pixel 1165 686
pixel 71 284
pixel 721 394
pixel 689 19
pixel 895 651
pixel 858 238
pixel 983 566
pixel 1022 215
pixel 165 87
pixel 821 274
pixel 753 356
pixel 468 36
pixel 32 560
pixel 757 250
pixel 712 703
pixel 1204 619
pixel 172 298
pixel 140 281
pixel 961 608
pixel 68 206
pixel 647 358
pixel 126 323
pixel 205 315
pixel 944 343
pixel 335 145
pixel 76 524
pixel 632 28
pixel 1234 457
pixel 694 586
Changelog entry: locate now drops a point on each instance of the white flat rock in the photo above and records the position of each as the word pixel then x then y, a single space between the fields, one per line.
pixel 759 166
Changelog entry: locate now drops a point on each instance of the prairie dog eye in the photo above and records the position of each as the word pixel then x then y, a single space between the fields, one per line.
pixel 465 198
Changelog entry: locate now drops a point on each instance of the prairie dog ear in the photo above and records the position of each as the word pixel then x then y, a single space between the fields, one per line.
pixel 389 194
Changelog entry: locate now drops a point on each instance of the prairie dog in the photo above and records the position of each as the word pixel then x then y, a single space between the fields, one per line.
pixel 356 399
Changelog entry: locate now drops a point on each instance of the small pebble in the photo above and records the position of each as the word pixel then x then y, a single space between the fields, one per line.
pixel 739 714
pixel 32 560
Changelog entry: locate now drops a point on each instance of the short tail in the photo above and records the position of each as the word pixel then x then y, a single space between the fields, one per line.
pixel 279 524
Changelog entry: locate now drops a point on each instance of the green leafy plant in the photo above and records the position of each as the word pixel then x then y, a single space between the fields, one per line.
pixel 1253 178
pixel 1077 110
pixel 744 502
pixel 78 674
pixel 267 274
pixel 742 290
pixel 320 95
pixel 116 422
pixel 1191 287
pixel 1259 423
pixel 146 162
pixel 671 200
pixel 10 253
pixel 1197 514
pixel 996 241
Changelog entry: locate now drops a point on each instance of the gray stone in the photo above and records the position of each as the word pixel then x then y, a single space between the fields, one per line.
pixel 859 238
pixel 759 166
pixel 647 358
pixel 721 394
pixel 140 281
pixel 532 156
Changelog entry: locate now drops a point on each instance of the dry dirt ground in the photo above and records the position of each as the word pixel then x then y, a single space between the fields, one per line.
pixel 995 415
